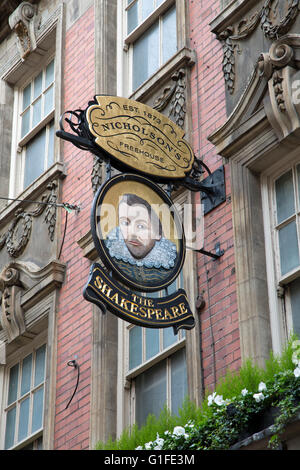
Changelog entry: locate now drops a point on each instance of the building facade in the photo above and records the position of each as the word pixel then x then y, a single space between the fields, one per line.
pixel 226 72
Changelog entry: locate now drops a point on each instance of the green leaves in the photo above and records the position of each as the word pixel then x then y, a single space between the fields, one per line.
pixel 235 408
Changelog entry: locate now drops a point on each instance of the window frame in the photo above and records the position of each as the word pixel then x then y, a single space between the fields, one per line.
pixel 278 285
pixel 19 143
pixel 17 358
pixel 126 63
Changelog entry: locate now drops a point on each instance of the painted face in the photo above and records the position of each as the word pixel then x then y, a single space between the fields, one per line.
pixel 137 230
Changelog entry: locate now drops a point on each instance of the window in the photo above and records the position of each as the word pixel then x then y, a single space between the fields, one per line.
pixel 35 126
pixel 151 37
pixel 286 224
pixel 25 401
pixel 157 367
pixel 281 206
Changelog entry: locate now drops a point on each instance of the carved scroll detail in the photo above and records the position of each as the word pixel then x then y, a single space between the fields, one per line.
pixel 96 176
pixel 22 22
pixel 18 235
pixel 11 313
pixel 176 96
pixel 245 28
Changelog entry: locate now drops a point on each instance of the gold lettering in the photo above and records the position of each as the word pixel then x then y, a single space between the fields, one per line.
pixel 158 313
pixel 106 290
pixel 175 311
pixel 183 309
pixel 167 314
pixel 142 312
pixel 123 303
pixel 98 282
pixel 151 312
pixel 134 307
pixel 115 298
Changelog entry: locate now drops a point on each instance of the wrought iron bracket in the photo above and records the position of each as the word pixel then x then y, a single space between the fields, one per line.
pixel 216 255
pixel 212 187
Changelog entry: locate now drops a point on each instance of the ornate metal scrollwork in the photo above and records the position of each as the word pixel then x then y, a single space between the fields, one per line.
pixel 76 122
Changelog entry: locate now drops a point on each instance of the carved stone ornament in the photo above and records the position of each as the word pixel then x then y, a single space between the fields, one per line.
pixel 18 235
pixel 274 91
pixel 11 313
pixel 282 103
pixel 176 95
pixel 96 176
pixel 23 285
pixel 22 21
pixel 231 36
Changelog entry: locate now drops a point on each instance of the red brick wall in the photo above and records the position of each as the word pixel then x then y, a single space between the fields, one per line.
pixel 219 319
pixel 74 313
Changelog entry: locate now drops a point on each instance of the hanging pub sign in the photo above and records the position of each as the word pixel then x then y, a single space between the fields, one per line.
pixel 137 136
pixel 137 232
pixel 139 237
pixel 158 312
pixel 135 226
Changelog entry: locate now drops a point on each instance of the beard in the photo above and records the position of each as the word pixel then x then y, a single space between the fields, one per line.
pixel 138 249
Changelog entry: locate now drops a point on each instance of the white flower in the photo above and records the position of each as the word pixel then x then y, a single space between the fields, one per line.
pixel 210 399
pixel 296 344
pixel 219 400
pixel 296 357
pixel 214 398
pixel 262 386
pixel 258 397
pixel 159 442
pixel 148 445
pixel 178 431
pixel 139 448
pixel 297 372
pixel 244 392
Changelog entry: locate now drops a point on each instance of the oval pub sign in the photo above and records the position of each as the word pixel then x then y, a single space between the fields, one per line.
pixel 139 137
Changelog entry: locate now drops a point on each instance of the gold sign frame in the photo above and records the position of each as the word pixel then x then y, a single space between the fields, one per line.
pixel 139 137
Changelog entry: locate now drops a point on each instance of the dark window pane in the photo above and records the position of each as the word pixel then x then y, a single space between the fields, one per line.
pixel 285 196
pixel 35 158
pixel 146 56
pixel 288 246
pixel 151 392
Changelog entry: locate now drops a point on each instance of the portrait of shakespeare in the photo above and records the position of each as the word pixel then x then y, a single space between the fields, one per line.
pixel 138 244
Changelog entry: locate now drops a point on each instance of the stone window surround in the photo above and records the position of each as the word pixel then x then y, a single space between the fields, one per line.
pixel 252 146
pixel 39 301
pixel 280 309
pixel 16 71
pixel 15 358
pixel 184 57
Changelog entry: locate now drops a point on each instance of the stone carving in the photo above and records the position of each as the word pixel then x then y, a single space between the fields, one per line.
pixel 50 216
pixel 270 65
pixel 96 176
pixel 22 22
pixel 280 69
pixel 19 233
pixel 22 285
pixel 17 236
pixel 11 313
pixel 175 95
pixel 231 36
pixel 275 86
